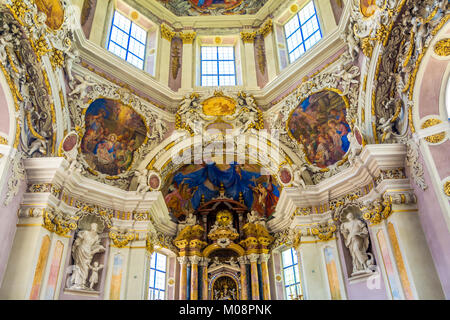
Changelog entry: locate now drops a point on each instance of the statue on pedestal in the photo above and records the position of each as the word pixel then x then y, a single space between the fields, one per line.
pixel 84 248
pixel 356 238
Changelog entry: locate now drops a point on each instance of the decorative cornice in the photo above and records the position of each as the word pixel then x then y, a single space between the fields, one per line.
pixel 166 32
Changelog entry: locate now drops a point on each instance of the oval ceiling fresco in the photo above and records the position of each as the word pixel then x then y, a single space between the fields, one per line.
pixel 113 132
pixel 54 11
pixel 319 124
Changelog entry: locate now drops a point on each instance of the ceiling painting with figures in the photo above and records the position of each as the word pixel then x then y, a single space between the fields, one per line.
pixel 194 184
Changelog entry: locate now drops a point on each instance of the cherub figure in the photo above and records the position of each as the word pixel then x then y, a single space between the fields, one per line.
pixel 94 274
pixel 81 88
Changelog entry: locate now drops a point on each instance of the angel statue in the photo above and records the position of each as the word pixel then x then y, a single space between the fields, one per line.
pixel 81 87
pixel 142 181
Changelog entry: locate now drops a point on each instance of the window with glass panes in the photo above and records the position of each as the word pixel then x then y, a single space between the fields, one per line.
pixel 217 66
pixel 302 31
pixel 127 40
pixel 157 286
pixel 291 274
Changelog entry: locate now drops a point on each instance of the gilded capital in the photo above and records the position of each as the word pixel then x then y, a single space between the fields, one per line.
pixel 264 257
pixel 166 32
pixel 182 260
pixel 266 29
pixel 248 37
pixel 187 37
pixel 195 259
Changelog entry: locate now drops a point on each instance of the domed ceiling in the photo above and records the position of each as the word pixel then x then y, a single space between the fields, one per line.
pixel 212 7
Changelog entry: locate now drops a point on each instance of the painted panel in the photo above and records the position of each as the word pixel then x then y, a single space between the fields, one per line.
pixel 54 11
pixel 333 278
pixel 319 123
pixel 116 279
pixel 40 268
pixel 400 264
pixel 113 132
pixel 388 266
pixel 54 271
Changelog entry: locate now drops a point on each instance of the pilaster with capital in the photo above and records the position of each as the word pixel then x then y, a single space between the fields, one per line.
pixel 167 35
pixel 407 245
pixel 248 40
pixel 187 70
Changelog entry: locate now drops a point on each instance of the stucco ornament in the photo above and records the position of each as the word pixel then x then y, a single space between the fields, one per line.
pixel 86 245
pixel 356 238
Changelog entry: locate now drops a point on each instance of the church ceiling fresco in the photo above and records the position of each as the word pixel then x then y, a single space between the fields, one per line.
pixel 113 132
pixel 213 7
pixel 319 123
pixel 195 184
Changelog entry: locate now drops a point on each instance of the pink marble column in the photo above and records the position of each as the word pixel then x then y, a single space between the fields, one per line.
pixel 242 262
pixel 254 274
pixel 265 275
pixel 194 276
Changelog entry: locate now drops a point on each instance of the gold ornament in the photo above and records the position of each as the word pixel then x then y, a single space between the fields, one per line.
pixel 187 37
pixel 447 188
pixel 266 29
pixel 436 138
pixel 442 48
pixel 166 33
pixel 248 37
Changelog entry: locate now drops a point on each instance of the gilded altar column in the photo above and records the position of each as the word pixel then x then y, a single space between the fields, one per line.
pixel 253 258
pixel 264 257
pixel 183 277
pixel 204 264
pixel 194 276
pixel 242 262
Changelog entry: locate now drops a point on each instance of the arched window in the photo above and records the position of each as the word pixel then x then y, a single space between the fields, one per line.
pixel 292 285
pixel 158 269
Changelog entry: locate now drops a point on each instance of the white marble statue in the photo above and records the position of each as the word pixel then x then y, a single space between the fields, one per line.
pixel 356 238
pixel 355 147
pixel 298 180
pixel 84 248
pixel 94 274
pixel 142 176
pixel 81 87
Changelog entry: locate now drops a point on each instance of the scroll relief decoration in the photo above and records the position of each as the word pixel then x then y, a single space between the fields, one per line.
pixel 28 40
pixel 115 131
